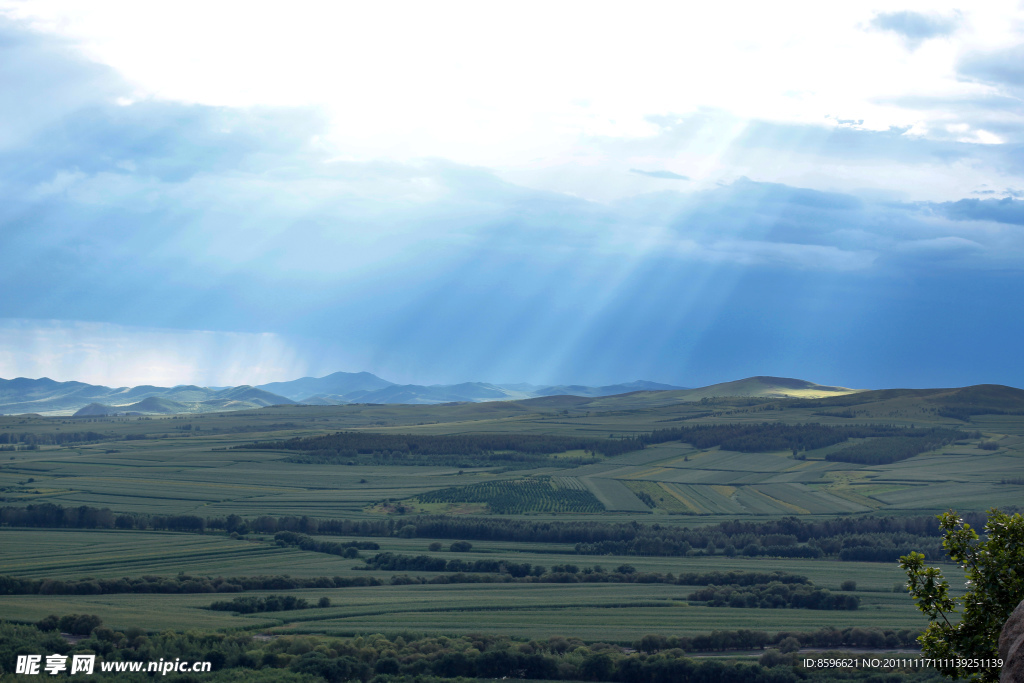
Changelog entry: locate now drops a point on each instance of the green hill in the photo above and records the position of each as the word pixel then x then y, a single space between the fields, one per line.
pixel 767 387
pixel 155 404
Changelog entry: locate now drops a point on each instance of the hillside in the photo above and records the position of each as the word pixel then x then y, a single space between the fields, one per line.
pixel 768 387
pixel 48 397
pixel 971 457
pixel 438 393
pixel 338 383
pixel 608 390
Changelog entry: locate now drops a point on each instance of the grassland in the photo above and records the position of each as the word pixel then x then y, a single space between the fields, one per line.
pixel 615 612
pixel 608 613
pixel 196 472
pixel 184 474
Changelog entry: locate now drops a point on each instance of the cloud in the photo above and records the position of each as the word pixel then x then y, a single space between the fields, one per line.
pixel 667 175
pixel 43 79
pixel 998 67
pixel 126 355
pixel 165 140
pixel 802 256
pixel 176 226
pixel 916 27
pixel 1006 210
pixel 935 160
pixel 941 246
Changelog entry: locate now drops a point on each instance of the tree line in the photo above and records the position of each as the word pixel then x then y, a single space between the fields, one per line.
pixel 349 549
pixel 182 583
pixel 964 413
pixel 427 563
pixel 411 448
pixel 890 449
pixel 532 448
pixel 518 496
pixel 460 572
pixel 848 538
pixel 270 603
pixel 750 639
pixel 51 438
pixel 291 659
pixel 570 573
pixel 775 595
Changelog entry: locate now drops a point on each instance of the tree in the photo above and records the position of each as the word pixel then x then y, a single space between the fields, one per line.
pixel 994 568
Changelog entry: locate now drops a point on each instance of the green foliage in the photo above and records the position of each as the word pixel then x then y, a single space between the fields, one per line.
pixel 890 449
pixel 837 413
pixel 412 449
pixel 180 584
pixel 865 539
pixel 76 624
pixel 994 568
pixel 271 603
pixel 518 496
pixel 349 549
pixel 395 562
pixel 775 595
pixel 774 436
pixel 410 657
pixel 534 449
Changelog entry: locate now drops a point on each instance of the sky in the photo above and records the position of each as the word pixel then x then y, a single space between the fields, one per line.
pixel 238 193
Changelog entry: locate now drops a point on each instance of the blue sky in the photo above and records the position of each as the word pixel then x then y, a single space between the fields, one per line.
pixel 512 193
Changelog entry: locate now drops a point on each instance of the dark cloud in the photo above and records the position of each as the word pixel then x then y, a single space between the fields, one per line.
pixel 42 78
pixel 915 27
pixel 778 193
pixel 1000 67
pixel 59 111
pixel 667 175
pixel 1006 210
pixel 165 140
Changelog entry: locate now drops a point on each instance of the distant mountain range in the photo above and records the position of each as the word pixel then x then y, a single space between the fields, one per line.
pixel 47 397
pixel 363 387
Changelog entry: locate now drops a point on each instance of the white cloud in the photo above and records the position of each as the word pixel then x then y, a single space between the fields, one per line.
pixel 512 85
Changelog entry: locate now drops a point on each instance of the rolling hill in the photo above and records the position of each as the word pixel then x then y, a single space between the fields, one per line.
pixel 363 387
pixel 337 384
pixel 47 397
pixel 768 387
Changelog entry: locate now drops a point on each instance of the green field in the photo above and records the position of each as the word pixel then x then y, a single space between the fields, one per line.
pixel 171 472
pixel 620 612
pixel 179 472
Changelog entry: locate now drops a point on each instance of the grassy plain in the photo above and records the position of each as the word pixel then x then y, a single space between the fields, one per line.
pixel 194 471
pixel 614 612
